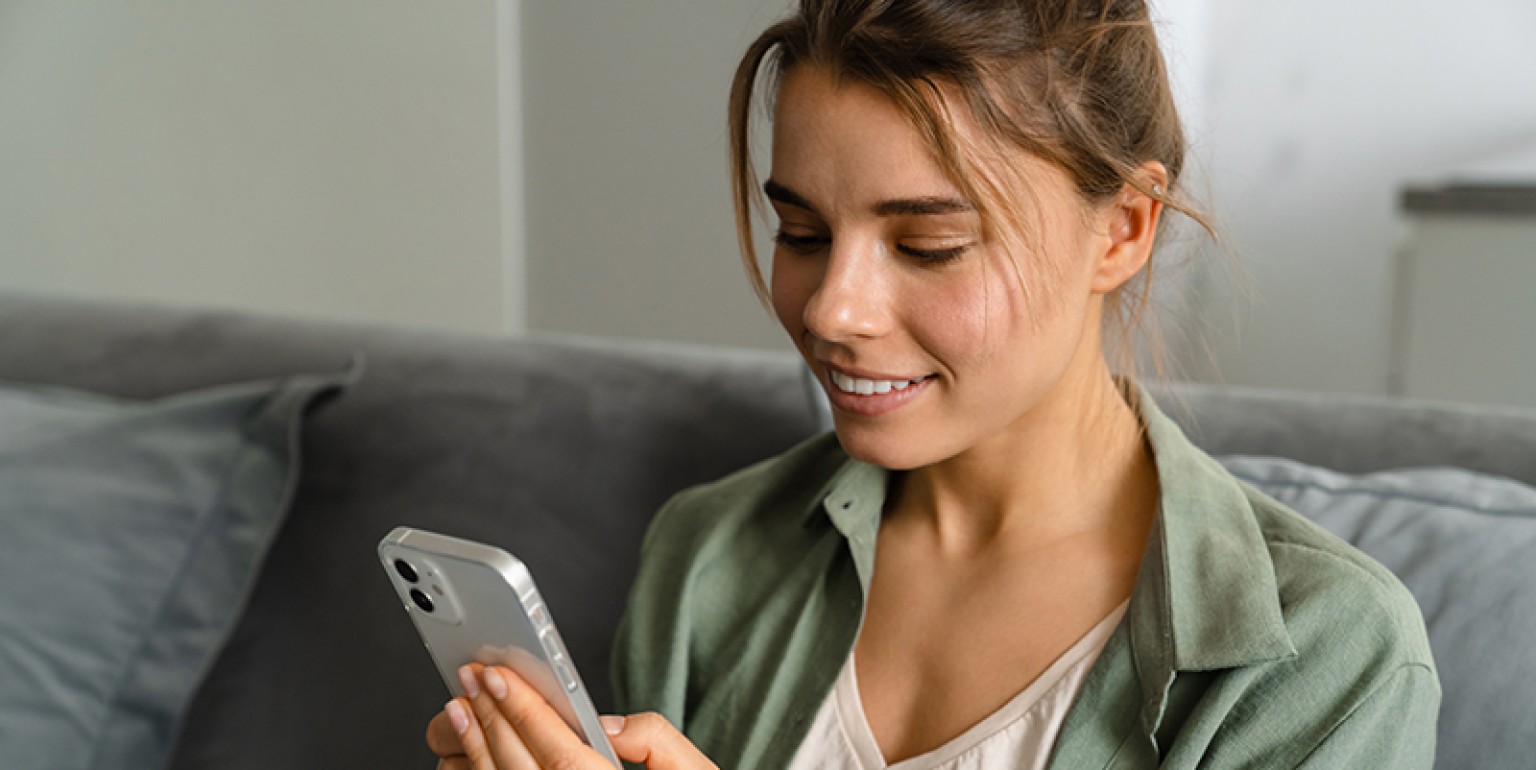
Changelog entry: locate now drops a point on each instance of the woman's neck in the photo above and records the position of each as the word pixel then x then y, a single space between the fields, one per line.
pixel 1077 464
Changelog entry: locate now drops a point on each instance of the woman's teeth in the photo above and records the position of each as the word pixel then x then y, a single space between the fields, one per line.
pixel 864 387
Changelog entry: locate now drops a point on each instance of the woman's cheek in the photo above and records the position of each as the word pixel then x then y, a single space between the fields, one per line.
pixel 789 289
pixel 952 322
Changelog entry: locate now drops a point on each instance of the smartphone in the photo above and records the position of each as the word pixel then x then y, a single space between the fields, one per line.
pixel 473 602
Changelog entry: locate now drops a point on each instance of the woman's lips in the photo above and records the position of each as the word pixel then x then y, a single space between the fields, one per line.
pixel 871 396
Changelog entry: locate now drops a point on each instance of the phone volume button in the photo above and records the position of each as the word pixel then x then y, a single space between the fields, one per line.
pixel 563 671
pixel 540 615
pixel 550 638
pixel 555 647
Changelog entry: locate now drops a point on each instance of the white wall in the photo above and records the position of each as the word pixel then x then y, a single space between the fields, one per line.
pixel 1318 111
pixel 336 159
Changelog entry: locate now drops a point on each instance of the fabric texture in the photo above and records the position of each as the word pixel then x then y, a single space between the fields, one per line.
pixel 1462 543
pixel 1253 637
pixel 133 532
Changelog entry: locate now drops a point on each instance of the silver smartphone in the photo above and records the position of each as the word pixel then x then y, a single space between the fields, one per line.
pixel 474 602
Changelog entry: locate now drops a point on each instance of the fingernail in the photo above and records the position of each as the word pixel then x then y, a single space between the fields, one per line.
pixel 467 678
pixel 613 725
pixel 457 716
pixel 496 684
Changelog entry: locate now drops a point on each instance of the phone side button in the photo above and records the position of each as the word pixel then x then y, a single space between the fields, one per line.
pixel 539 615
pixel 557 659
pixel 564 672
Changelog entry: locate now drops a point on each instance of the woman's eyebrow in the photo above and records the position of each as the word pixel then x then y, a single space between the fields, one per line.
pixel 781 194
pixel 930 205
pixel 886 208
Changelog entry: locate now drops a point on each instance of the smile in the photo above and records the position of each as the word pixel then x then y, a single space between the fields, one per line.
pixel 863 387
pixel 869 397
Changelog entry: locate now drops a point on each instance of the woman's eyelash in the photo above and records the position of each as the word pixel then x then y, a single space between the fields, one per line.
pixel 810 244
pixel 934 256
pixel 801 244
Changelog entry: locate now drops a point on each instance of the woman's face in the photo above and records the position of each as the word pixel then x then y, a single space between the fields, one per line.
pixel 912 317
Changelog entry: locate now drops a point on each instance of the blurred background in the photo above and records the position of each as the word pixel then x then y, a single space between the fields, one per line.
pixel 513 166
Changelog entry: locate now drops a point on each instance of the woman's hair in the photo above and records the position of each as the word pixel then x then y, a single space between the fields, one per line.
pixel 1080 84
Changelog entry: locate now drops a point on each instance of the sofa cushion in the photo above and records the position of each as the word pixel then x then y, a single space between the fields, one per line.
pixel 132 533
pixel 1462 543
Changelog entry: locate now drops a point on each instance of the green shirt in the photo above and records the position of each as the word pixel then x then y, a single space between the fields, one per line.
pixel 1254 638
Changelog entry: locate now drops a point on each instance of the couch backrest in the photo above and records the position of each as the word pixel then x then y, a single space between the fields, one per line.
pixel 1356 434
pixel 557 449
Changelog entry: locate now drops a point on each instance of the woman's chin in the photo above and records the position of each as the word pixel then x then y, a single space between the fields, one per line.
pixel 888 449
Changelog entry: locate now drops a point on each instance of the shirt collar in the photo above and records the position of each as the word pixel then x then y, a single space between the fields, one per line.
pixel 853 499
pixel 1206 596
pixel 1210 566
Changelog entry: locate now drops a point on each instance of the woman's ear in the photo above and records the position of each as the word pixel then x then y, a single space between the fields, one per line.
pixel 1130 221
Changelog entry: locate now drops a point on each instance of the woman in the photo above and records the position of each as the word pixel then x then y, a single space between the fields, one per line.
pixel 1005 556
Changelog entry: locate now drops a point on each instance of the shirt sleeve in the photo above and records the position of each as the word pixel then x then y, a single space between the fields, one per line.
pixel 649 659
pixel 1393 727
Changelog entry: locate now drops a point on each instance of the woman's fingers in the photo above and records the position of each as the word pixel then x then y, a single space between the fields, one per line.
pixel 505 724
pixel 543 733
pixel 650 739
pixel 442 737
pixel 457 739
pixel 489 740
pixel 480 752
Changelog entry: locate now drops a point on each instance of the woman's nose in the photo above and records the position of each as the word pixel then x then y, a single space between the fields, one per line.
pixel 852 300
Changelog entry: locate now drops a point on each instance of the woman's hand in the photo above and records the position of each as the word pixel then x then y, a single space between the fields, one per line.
pixel 505 724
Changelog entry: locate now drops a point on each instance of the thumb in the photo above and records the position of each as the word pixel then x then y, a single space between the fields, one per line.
pixel 650 739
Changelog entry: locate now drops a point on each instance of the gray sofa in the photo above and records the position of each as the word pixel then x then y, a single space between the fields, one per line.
pixel 559 449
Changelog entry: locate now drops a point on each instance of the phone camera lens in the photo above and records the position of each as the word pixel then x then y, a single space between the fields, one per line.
pixel 406 570
pixel 422 600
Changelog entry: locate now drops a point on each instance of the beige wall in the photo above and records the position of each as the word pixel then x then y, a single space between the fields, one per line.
pixel 335 159
pixel 629 216
pixel 1465 315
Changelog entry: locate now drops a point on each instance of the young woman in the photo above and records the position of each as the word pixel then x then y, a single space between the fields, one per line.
pixel 1005 556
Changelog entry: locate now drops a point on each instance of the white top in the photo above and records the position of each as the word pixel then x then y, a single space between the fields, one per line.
pixel 1018 735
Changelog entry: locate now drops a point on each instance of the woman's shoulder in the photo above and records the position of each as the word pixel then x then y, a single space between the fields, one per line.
pixel 1293 648
pixel 1330 589
pixel 1332 598
pixel 1359 686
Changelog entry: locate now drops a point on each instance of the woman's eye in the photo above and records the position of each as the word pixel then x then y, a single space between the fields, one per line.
pixel 933 256
pixel 801 244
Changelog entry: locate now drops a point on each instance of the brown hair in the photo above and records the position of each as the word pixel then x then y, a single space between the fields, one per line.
pixel 1078 83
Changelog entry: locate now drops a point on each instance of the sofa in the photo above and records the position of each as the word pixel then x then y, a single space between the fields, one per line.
pixel 242 619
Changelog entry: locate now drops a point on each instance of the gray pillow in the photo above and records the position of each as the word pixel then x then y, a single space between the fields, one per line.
pixel 131 535
pixel 1463 543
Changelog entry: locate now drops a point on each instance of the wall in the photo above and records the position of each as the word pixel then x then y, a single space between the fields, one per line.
pixel 1319 110
pixel 1464 332
pixel 335 159
pixel 629 216
pixel 344 159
